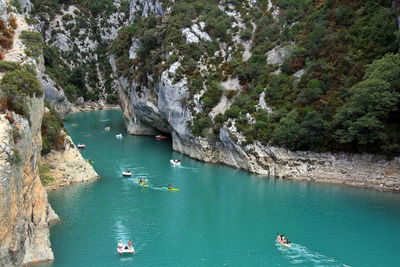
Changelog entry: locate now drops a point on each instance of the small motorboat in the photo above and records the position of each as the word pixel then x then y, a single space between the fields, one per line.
pixel 175 162
pixel 107 128
pixel 285 242
pixel 127 173
pixel 118 135
pixel 81 146
pixel 159 136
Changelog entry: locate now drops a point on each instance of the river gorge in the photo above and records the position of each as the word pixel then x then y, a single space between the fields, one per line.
pixel 220 216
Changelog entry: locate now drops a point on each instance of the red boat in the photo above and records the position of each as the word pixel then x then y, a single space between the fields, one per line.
pixel 159 136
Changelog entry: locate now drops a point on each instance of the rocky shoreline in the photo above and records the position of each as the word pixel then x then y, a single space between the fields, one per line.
pixel 68 166
pixel 360 170
pixel 91 106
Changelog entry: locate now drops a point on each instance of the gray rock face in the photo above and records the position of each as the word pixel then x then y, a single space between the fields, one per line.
pixel 55 95
pixel 144 8
pixel 24 233
pixel 26 6
pixel 3 10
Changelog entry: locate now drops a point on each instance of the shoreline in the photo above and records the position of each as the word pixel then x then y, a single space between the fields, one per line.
pixel 91 106
pixel 354 178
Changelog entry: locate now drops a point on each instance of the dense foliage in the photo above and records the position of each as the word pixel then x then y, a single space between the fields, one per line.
pixel 15 88
pixel 33 42
pixel 53 136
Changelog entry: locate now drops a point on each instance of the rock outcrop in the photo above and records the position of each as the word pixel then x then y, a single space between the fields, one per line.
pixel 54 94
pixel 68 166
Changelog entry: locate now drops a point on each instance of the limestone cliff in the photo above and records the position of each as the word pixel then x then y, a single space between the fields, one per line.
pixel 24 232
pixel 163 101
pixel 25 213
pixel 68 166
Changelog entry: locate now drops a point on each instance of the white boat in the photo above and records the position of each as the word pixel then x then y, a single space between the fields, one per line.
pixel 81 146
pixel 127 173
pixel 118 135
pixel 125 250
pixel 175 162
pixel 107 128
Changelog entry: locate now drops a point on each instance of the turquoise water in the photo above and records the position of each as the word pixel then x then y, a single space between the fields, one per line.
pixel 220 217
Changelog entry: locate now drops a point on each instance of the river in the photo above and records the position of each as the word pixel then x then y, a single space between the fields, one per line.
pixel 220 217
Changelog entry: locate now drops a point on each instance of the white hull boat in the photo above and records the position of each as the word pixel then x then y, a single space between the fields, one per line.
pixel 127 173
pixel 175 163
pixel 125 250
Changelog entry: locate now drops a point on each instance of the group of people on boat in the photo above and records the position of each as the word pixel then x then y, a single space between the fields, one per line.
pixel 283 239
pixel 122 248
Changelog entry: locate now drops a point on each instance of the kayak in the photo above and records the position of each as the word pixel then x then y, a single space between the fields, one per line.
pixel 172 189
pixel 143 185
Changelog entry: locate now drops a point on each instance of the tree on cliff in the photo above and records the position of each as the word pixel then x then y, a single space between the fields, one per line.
pixel 370 119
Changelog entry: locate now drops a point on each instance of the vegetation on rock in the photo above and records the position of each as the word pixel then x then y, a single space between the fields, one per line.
pixel 53 136
pixel 16 87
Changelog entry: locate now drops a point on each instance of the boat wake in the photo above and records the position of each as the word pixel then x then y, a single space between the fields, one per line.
pixel 298 254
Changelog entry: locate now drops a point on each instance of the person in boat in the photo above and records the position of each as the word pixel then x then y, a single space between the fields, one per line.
pixel 141 181
pixel 169 187
pixel 120 244
pixel 129 244
pixel 284 240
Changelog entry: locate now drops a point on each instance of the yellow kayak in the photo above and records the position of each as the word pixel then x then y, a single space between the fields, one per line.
pixel 170 189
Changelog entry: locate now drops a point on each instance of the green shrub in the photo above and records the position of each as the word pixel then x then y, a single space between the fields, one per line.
pixel 112 99
pixel 45 178
pixel 34 43
pixel 15 157
pixel 8 66
pixel 21 83
pixel 201 125
pixel 53 137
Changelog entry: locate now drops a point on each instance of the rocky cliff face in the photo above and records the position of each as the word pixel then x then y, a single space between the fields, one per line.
pixel 54 94
pixel 165 104
pixel 68 166
pixel 24 232
pixel 24 210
